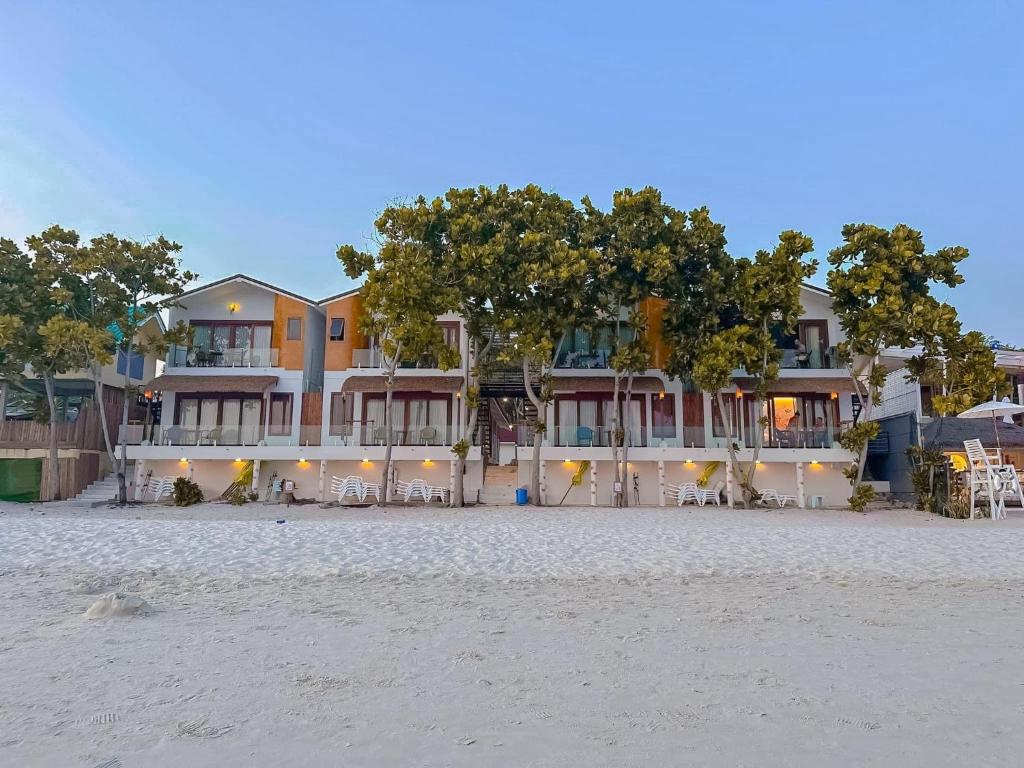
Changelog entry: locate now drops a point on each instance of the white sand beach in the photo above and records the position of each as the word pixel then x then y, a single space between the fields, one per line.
pixel 509 636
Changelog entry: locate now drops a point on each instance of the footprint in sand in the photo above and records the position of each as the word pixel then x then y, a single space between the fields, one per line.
pixel 105 718
pixel 867 725
pixel 200 730
pixel 111 763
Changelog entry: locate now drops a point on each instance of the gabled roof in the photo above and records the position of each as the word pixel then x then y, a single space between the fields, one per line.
pixel 252 281
pixel 817 289
pixel 342 295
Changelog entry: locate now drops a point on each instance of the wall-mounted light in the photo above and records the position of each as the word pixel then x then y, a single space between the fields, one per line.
pixel 303 463
pixel 428 463
pixel 183 460
pixel 567 460
pixel 661 395
pixel 458 395
pixel 233 307
pixel 239 461
pixel 814 463
pixel 834 395
pixel 689 463
pixel 759 462
pixel 739 394
pixel 366 460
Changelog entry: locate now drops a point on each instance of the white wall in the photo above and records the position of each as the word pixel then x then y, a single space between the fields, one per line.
pixel 254 303
pixel 898 396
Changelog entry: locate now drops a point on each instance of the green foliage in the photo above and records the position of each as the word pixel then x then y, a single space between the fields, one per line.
pixel 237 496
pixel 928 475
pixel 860 498
pixel 961 370
pixel 856 437
pixel 461 448
pixel 186 493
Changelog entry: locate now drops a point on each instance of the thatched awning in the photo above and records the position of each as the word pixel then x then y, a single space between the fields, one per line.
pixel 604 384
pixel 798 385
pixel 403 384
pixel 174 383
pixel 949 433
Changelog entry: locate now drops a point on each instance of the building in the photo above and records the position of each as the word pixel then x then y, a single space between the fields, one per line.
pixel 294 386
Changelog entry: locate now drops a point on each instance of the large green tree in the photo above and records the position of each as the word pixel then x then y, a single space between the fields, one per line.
pixel 402 298
pixel 38 293
pixel 128 282
pixel 638 239
pixel 881 282
pixel 763 300
pixel 961 371
pixel 552 289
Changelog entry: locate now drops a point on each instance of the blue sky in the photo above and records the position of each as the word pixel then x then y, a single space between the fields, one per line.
pixel 261 136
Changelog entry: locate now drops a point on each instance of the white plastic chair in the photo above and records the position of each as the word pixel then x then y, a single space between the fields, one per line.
pixel 770 495
pixel 412 488
pixel 160 487
pixel 348 486
pixel 991 479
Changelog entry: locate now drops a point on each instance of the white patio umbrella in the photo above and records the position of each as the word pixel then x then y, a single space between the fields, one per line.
pixel 993 408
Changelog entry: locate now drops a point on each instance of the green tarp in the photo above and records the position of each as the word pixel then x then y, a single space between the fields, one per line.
pixel 20 479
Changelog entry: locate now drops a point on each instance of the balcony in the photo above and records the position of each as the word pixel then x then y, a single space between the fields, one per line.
pixel 598 359
pixel 366 358
pixel 232 357
pixel 369 433
pixel 811 358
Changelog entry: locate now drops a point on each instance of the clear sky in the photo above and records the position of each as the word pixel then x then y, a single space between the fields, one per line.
pixel 261 136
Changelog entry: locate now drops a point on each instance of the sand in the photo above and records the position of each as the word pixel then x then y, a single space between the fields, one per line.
pixel 497 637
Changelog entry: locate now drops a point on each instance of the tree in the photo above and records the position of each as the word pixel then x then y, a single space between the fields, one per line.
pixel 37 294
pixel 129 282
pixel 764 299
pixel 637 242
pixel 475 271
pixel 962 372
pixel 401 298
pixel 881 282
pixel 551 290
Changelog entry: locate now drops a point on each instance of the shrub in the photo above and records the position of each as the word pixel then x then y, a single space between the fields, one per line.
pixel 237 496
pixel 186 493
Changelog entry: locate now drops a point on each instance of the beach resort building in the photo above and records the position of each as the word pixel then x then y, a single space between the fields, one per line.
pixel 293 386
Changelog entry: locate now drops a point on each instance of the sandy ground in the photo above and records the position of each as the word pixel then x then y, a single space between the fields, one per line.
pixel 510 637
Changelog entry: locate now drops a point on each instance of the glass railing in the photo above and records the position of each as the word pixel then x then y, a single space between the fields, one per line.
pixel 814 358
pixel 366 358
pixel 236 357
pixel 216 434
pixel 580 437
pixel 596 359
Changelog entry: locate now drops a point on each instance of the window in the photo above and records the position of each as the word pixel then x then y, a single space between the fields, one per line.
pixel 135 367
pixel 294 329
pixel 281 413
pixel 588 420
pixel 337 329
pixel 663 415
pixel 341 413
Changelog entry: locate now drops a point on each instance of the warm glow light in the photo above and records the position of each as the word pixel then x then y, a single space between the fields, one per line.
pixel 661 395
pixel 567 461
pixel 303 463
pixel 834 395
pixel 238 461
pixel 428 463
pixel 458 394
pixel 148 394
pixel 814 463
pixel 690 462
pixel 739 394
pixel 759 463
pixel 366 461
pixel 183 460
pixel 232 307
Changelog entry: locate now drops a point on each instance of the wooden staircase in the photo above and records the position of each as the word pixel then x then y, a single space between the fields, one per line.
pixel 499 486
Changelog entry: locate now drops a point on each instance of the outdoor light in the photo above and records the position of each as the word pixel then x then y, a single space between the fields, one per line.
pixel 504 399
pixel 428 463
pixel 365 460
pixel 739 394
pixel 834 395
pixel 759 462
pixel 689 462
pixel 232 307
pixel 183 460
pixel 238 461
pixel 814 462
pixel 458 395
pixel 567 460
pixel 661 395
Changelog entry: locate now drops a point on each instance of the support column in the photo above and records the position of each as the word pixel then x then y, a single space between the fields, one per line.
pixel 256 475
pixel 191 469
pixel 451 480
pixel 543 482
pixel 801 490
pixel 661 482
pixel 321 481
pixel 729 483
pixel 593 483
pixel 140 474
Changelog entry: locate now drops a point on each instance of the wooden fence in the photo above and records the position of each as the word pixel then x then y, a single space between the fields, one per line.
pixel 85 432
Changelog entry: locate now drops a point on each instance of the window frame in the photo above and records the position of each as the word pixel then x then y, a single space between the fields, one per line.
pixel 288 328
pixel 331 336
pixel 285 428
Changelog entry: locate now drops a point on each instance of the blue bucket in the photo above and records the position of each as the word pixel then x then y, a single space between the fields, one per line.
pixel 521 496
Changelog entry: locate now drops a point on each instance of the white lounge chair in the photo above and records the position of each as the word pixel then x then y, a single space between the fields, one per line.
pixel 704 495
pixel 770 496
pixel 159 487
pixel 682 493
pixel 407 490
pixel 347 486
pixel 991 479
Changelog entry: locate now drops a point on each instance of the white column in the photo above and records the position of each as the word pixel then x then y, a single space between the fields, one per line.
pixel 256 475
pixel 543 482
pixel 593 483
pixel 661 482
pixel 801 495
pixel 321 481
pixel 140 474
pixel 191 469
pixel 728 483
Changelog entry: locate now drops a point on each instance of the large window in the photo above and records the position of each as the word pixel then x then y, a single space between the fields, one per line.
pixel 215 419
pixel 337 329
pixel 341 413
pixel 663 417
pixel 281 413
pixel 792 421
pixel 590 419
pixel 416 418
pixel 230 343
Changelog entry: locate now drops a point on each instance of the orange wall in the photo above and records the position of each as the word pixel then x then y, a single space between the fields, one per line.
pixel 289 352
pixel 655 309
pixel 338 355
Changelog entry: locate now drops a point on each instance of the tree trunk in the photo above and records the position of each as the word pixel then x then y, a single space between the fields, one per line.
pixel 101 407
pixel 53 468
pixel 469 420
pixel 867 406
pixel 748 477
pixel 732 461
pixel 538 431
pixel 389 382
pixel 623 410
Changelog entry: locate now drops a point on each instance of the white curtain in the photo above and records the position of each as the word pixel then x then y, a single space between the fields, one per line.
pixel 251 425
pixel 260 354
pixel 566 422
pixel 375 420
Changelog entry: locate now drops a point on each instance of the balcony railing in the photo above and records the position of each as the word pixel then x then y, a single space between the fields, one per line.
pixel 232 357
pixel 366 358
pixel 370 433
pixel 814 358
pixel 596 359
